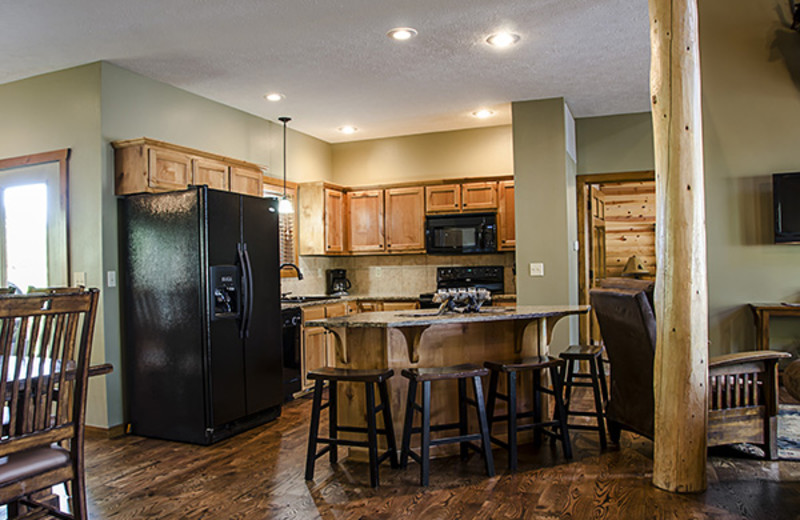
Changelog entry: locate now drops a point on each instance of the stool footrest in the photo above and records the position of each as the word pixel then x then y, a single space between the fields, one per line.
pixel 584 414
pixel 542 425
pixel 452 440
pixel 582 385
pixel 583 427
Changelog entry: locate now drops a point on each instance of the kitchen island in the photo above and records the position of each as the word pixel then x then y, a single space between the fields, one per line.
pixel 421 338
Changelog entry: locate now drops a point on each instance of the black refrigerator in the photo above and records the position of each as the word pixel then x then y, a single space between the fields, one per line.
pixel 200 314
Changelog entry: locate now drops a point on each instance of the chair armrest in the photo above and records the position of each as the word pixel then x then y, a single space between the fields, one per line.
pixel 740 358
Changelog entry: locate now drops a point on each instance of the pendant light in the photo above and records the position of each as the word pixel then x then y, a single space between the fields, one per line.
pixel 285 205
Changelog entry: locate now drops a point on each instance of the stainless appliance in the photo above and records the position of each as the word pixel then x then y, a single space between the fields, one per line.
pixel 337 282
pixel 201 313
pixel 459 234
pixel 489 277
pixel 291 319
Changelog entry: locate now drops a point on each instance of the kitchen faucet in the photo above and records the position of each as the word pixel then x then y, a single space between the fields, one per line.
pixel 287 264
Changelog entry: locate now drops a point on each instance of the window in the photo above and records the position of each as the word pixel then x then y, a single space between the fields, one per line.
pixel 33 221
pixel 287 224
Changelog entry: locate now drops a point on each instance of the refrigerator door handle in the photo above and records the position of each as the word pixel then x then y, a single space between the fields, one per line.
pixel 245 292
pixel 249 290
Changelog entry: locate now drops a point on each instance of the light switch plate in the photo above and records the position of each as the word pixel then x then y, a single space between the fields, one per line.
pixel 79 279
pixel 537 269
pixel 111 279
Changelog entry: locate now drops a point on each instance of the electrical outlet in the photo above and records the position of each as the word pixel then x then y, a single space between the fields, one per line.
pixel 537 269
pixel 79 279
pixel 378 272
pixel 111 279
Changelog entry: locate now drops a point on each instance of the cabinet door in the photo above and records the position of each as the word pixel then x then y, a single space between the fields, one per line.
pixel 370 306
pixel 479 196
pixel 405 219
pixel 400 306
pixel 443 199
pixel 169 170
pixel 506 231
pixel 246 181
pixel 365 229
pixel 315 351
pixel 212 173
pixel 334 221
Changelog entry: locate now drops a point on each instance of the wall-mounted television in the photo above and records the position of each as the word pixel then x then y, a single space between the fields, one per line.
pixel 786 206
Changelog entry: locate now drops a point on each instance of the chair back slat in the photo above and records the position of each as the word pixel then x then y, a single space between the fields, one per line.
pixel 45 342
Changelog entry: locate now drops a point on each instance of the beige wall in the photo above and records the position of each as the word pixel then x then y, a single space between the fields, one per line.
pixel 62 110
pixel 462 153
pixel 545 207
pixel 750 66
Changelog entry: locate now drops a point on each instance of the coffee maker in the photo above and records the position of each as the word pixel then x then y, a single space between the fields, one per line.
pixel 337 282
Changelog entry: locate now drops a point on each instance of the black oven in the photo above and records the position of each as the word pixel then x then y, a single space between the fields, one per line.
pixel 458 234
pixel 292 319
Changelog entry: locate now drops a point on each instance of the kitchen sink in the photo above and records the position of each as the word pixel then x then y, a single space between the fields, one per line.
pixel 305 299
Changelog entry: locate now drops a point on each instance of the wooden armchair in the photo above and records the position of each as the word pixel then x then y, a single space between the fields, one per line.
pixel 45 344
pixel 743 387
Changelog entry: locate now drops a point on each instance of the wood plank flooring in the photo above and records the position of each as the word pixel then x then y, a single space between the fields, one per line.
pixel 259 475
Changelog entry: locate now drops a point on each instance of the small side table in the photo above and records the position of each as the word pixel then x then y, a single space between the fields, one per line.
pixel 762 313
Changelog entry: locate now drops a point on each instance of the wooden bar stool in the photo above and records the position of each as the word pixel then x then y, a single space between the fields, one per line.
pixel 369 378
pixel 594 379
pixel 461 373
pixel 557 428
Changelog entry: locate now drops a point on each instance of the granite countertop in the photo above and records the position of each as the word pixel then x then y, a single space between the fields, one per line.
pixel 318 300
pixel 424 317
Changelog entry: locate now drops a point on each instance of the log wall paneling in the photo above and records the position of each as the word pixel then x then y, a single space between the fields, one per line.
pixel 630 224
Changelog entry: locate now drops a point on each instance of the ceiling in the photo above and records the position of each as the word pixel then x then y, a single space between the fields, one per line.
pixel 334 63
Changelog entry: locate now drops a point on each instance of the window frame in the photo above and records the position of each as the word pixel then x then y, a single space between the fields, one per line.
pixel 272 186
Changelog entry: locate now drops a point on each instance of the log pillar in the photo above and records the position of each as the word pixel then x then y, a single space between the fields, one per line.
pixel 681 363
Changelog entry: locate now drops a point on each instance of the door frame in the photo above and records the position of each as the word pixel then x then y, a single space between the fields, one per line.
pixel 581 188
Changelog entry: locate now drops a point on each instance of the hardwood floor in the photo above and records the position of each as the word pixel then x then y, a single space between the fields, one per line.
pixel 259 474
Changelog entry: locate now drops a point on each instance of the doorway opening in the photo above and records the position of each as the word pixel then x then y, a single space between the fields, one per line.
pixel 616 228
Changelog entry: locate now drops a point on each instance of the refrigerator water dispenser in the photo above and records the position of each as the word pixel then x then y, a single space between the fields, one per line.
pixel 224 291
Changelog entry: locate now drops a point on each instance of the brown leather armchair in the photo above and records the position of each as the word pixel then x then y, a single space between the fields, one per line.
pixel 743 387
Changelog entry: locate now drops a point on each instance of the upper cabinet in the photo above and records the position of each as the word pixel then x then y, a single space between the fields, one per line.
pixel 465 197
pixel 365 230
pixel 145 166
pixel 405 220
pixel 443 199
pixel 506 231
pixel 321 219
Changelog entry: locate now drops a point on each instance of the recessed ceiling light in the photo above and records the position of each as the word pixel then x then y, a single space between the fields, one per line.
pixel 483 113
pixel 402 33
pixel 348 129
pixel 502 39
pixel 274 96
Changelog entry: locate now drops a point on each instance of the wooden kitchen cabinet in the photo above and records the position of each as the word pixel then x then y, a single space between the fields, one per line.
pixel 214 174
pixel 506 230
pixel 322 219
pixel 400 306
pixel 405 220
pixel 479 196
pixel 319 345
pixel 246 181
pixel 366 222
pixel 443 199
pixel 146 165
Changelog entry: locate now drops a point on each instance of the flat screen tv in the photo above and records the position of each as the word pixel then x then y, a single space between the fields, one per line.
pixel 786 204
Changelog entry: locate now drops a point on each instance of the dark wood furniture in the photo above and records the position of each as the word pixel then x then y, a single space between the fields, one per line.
pixel 762 312
pixel 459 373
pixel 595 379
pixel 743 387
pixel 370 378
pixel 556 428
pixel 45 345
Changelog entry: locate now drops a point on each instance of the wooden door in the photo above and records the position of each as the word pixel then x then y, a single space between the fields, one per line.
pixel 247 181
pixel 212 173
pixel 506 230
pixel 334 221
pixel 169 170
pixel 597 244
pixel 443 199
pixel 365 225
pixel 405 219
pixel 479 196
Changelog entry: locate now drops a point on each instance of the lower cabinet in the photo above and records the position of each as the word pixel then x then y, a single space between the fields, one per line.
pixel 319 345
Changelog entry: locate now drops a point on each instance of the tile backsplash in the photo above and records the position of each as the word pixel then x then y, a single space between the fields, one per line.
pixel 390 275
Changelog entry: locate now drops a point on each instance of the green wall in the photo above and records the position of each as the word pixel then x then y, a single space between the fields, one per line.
pixel 750 66
pixel 544 181
pixel 55 111
pixel 612 144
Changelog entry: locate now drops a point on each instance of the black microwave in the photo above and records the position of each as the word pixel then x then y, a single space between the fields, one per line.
pixel 458 234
